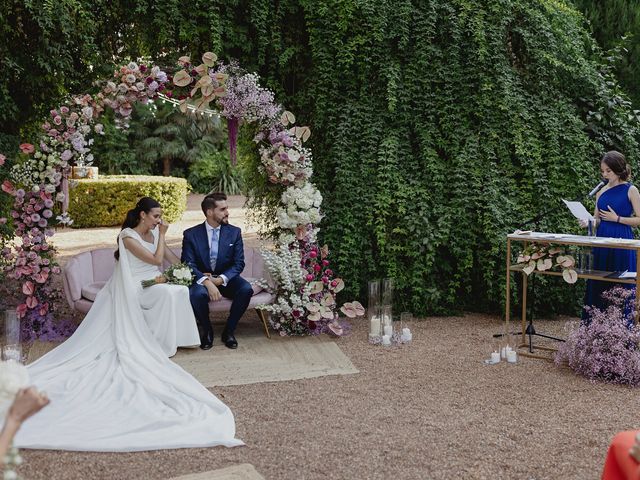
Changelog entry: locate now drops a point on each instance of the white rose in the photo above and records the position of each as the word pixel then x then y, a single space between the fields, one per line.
pixel 13 377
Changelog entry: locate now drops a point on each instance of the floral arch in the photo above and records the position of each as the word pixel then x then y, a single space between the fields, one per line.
pixel 39 184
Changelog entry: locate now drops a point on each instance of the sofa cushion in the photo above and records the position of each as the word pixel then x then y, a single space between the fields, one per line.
pixel 90 291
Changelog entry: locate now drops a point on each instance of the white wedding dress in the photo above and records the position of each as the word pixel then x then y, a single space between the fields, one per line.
pixel 113 389
pixel 167 309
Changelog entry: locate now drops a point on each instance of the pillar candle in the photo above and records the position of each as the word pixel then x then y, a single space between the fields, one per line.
pixel 386 340
pixel 512 356
pixel 495 357
pixel 375 326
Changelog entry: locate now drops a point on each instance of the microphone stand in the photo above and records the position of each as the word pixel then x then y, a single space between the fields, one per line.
pixel 530 329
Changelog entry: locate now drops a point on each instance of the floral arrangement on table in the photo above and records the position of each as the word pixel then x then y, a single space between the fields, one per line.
pixel 176 274
pixel 547 257
pixel 605 347
pixel 40 175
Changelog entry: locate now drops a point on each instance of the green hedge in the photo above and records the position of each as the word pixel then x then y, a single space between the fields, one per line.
pixel 104 202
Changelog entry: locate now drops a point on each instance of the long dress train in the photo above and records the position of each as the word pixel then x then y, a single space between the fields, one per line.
pixel 112 388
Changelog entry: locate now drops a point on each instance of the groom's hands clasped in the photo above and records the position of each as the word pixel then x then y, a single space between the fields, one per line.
pixel 214 293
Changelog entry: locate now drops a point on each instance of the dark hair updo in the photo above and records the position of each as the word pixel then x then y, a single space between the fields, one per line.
pixel 617 163
pixel 145 204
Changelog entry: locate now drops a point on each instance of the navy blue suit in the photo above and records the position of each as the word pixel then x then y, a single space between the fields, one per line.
pixel 230 263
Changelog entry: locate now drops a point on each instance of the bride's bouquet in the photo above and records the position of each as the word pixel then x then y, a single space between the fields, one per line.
pixel 178 274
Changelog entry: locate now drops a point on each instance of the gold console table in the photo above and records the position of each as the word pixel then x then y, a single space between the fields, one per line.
pixel 573 240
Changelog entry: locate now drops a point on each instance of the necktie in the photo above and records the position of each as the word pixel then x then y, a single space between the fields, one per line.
pixel 213 250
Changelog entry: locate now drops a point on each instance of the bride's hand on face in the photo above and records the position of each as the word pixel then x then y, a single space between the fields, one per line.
pixel 163 227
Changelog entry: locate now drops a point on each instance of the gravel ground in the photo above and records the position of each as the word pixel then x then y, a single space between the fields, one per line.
pixel 429 410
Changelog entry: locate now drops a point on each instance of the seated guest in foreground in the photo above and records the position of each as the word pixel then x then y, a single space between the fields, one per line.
pixel 617 212
pixel 28 402
pixel 215 252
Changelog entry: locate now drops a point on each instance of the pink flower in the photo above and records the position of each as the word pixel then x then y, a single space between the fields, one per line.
pixel 35 217
pixel 3 221
pixel 41 277
pixel 309 277
pixel 43 222
pixel 31 302
pixel 47 213
pixel 313 253
pixel 8 187
pixel 317 268
pixel 27 148
pixel 325 263
pixel 328 272
pixel 28 288
pixel 21 310
pixel 2 159
pixel 48 203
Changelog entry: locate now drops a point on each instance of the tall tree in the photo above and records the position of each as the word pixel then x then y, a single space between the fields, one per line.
pixel 610 21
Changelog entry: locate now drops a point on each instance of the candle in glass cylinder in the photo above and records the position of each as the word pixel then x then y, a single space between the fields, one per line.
pixel 374 329
pixel 388 330
pixel 386 340
pixel 512 356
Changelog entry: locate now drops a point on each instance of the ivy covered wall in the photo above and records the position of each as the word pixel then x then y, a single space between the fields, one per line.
pixel 442 126
pixel 438 125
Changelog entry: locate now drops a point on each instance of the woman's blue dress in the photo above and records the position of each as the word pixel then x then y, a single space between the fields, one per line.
pixel 611 259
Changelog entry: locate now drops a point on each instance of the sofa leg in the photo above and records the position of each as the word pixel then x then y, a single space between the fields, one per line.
pixel 263 317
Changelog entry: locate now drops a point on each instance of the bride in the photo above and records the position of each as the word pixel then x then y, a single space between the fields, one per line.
pixel 111 385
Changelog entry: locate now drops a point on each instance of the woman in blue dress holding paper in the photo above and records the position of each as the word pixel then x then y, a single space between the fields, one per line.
pixel 617 211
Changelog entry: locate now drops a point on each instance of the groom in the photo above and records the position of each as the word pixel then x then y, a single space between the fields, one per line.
pixel 215 252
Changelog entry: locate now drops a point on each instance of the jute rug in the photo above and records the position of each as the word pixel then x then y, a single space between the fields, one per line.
pixel 257 359
pixel 244 471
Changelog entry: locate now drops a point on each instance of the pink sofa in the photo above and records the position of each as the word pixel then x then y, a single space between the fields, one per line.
pixel 86 273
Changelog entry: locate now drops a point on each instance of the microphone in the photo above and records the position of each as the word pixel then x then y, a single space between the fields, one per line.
pixel 602 183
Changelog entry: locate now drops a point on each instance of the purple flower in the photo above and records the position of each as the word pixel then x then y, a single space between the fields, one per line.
pixel 35 217
pixel 47 213
pixel 605 347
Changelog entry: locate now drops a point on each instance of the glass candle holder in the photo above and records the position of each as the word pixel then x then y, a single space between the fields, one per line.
pixel 11 327
pixel 12 352
pixel 373 310
pixel 387 291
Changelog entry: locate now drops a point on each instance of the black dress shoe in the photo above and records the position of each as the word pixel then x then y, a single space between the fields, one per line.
pixel 206 341
pixel 230 341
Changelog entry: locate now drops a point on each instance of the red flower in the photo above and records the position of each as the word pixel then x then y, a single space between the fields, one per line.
pixel 27 148
pixel 31 302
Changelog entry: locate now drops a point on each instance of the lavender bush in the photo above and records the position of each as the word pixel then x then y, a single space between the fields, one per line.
pixel 606 348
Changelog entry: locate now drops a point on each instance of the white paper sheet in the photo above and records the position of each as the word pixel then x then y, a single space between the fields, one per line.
pixel 578 210
pixel 627 274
